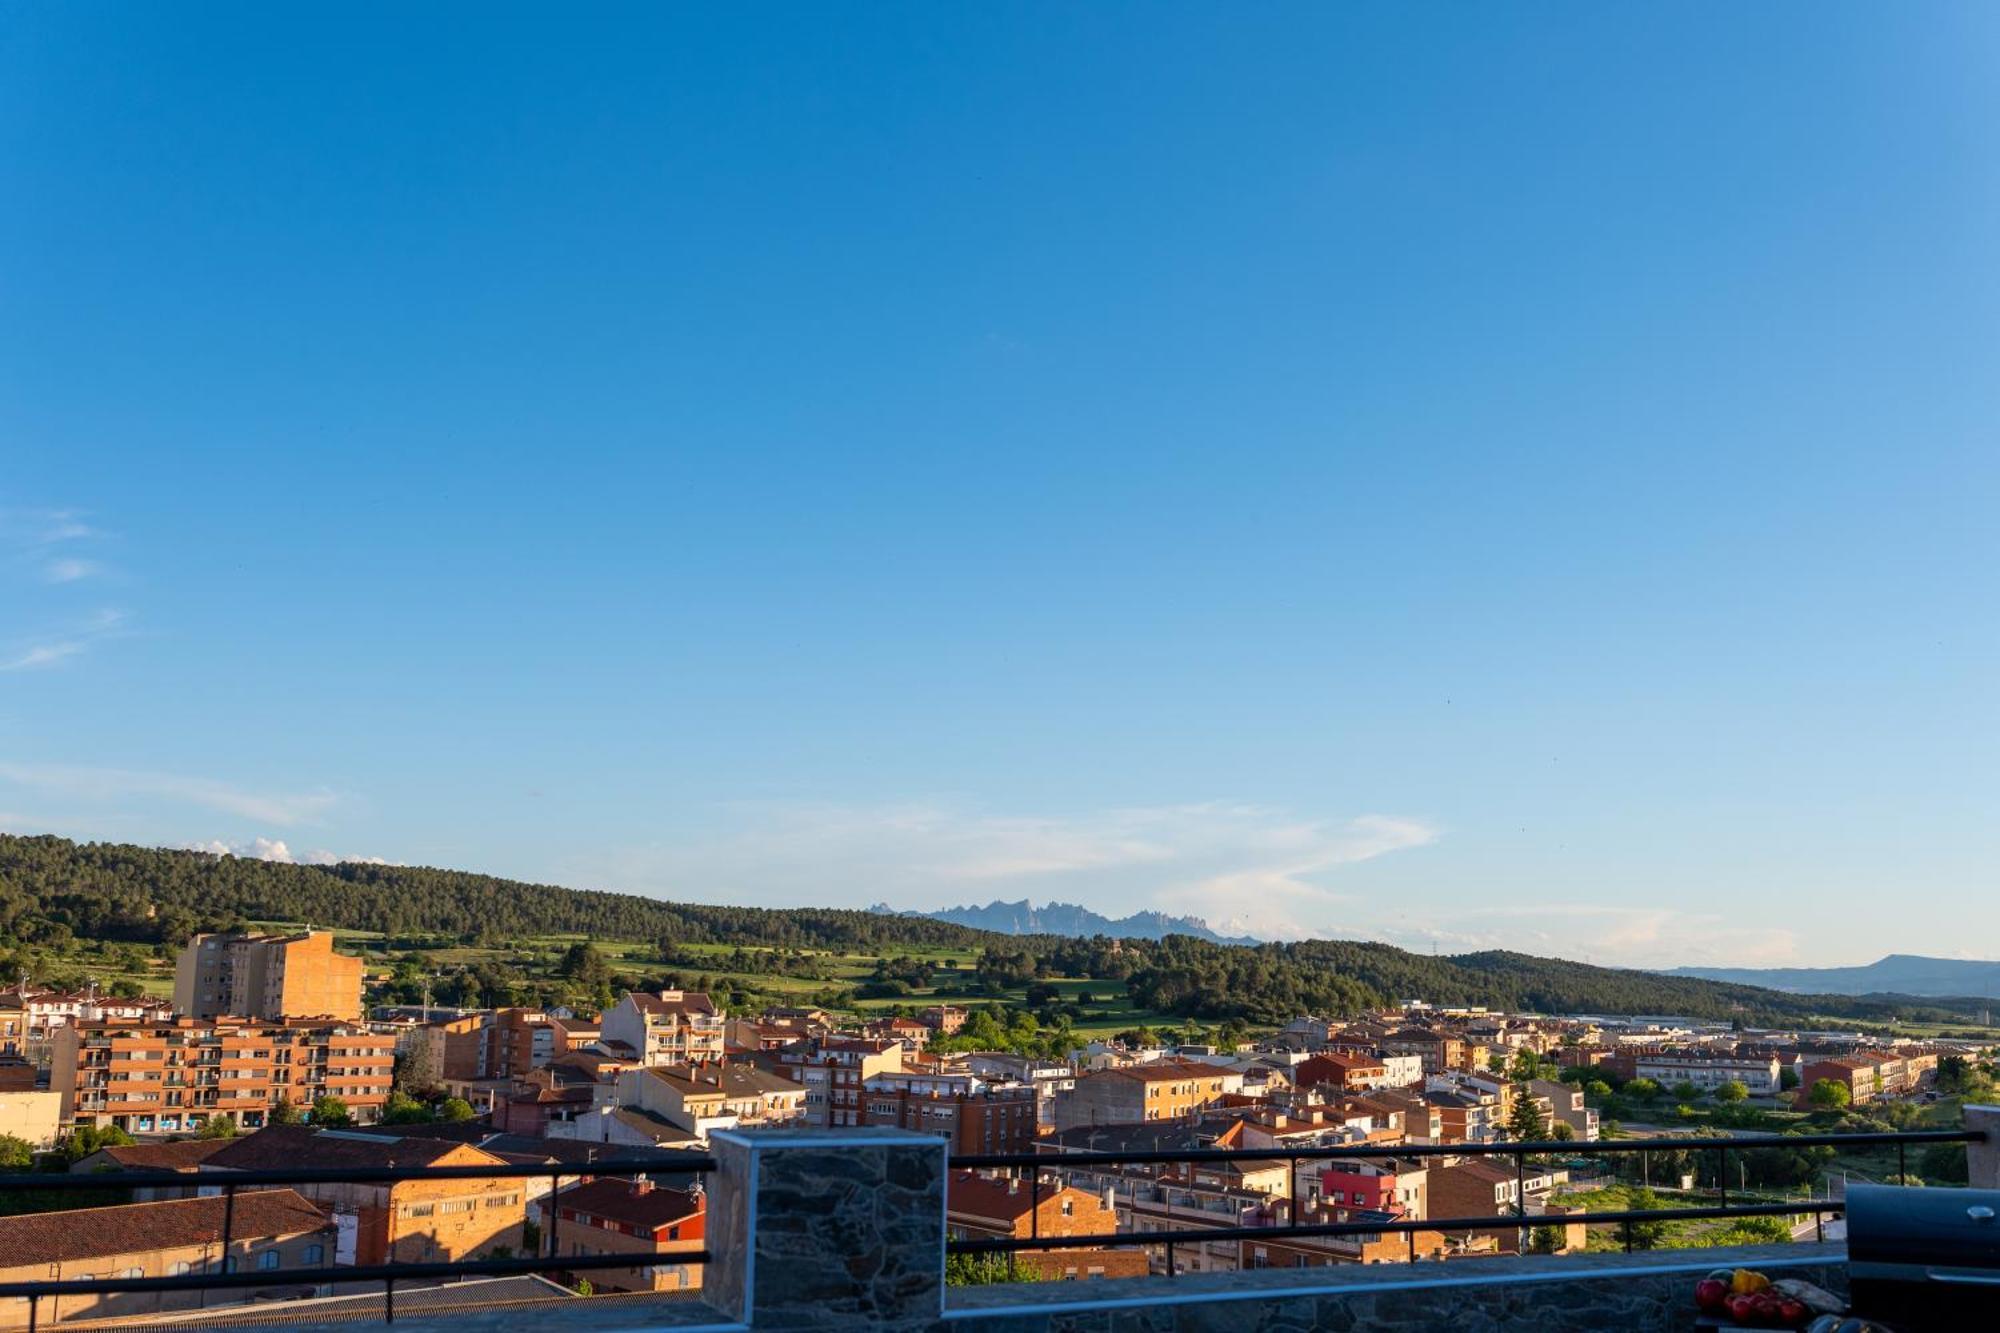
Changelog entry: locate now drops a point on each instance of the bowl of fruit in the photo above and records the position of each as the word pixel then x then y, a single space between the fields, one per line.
pixel 1742 1298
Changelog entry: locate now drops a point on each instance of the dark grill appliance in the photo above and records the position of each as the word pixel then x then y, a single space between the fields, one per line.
pixel 1924 1258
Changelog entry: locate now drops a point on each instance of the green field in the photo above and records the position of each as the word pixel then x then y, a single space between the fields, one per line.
pixel 535 963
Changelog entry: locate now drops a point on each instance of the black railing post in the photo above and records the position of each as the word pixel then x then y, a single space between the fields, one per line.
pixel 1628 1235
pixel 555 1218
pixel 1170 1258
pixel 1035 1205
pixel 228 1222
pixel 388 1300
pixel 34 1306
pixel 1902 1163
pixel 1722 1173
pixel 1521 1201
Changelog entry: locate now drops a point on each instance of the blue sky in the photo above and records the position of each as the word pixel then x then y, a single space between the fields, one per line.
pixel 1468 476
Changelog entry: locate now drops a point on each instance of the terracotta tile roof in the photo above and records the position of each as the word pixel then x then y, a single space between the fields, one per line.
pixel 134 1228
pixel 970 1194
pixel 690 1002
pixel 737 1080
pixel 283 1146
pixel 1473 1168
pixel 1169 1071
pixel 615 1199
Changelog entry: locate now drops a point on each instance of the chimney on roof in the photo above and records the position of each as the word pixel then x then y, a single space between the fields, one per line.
pixel 642 1185
pixel 1013 1184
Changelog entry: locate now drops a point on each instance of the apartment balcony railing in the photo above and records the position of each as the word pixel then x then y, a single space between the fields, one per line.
pixel 233 1183
pixel 845 1229
pixel 1035 1165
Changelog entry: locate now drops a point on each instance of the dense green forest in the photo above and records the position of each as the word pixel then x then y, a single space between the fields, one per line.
pixel 53 890
pixel 144 894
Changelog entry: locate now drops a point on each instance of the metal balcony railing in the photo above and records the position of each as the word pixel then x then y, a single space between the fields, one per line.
pixel 1034 1164
pixel 232 1183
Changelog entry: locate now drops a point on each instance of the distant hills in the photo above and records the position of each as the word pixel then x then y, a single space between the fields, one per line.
pixel 1023 918
pixel 1899 974
pixel 53 891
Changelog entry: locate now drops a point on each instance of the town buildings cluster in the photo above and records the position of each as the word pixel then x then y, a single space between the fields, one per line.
pixel 264 1028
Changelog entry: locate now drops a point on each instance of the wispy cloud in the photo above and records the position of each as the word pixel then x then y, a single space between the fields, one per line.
pixel 1256 867
pixel 36 546
pixel 115 784
pixel 32 528
pixel 71 641
pixel 1280 894
pixel 69 569
pixel 1609 934
pixel 42 655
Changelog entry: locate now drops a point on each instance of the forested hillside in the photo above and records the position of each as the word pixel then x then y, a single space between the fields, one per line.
pixel 52 890
pixel 108 890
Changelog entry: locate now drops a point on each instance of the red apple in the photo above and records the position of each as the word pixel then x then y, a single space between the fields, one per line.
pixel 1711 1295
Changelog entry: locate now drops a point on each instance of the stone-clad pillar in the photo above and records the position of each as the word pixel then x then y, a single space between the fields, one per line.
pixel 832 1228
pixel 1982 1160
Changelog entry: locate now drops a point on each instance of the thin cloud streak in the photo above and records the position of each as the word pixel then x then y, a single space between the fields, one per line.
pixel 106 623
pixel 115 784
pixel 1603 933
pixel 34 542
pixel 43 655
pixel 1255 866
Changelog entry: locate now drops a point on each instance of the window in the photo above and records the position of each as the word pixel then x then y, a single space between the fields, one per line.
pixel 314 1254
pixel 182 1268
pixel 133 1272
pixel 268 1260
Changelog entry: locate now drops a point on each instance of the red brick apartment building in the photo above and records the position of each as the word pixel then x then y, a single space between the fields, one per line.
pixel 611 1215
pixel 988 1207
pixel 988 1120
pixel 1870 1074
pixel 165 1078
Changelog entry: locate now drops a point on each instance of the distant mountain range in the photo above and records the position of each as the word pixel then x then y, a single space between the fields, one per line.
pixel 1024 918
pixel 1899 974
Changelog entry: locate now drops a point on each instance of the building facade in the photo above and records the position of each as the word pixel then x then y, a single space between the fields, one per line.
pixel 612 1215
pixel 267 976
pixel 672 1027
pixel 1162 1090
pixel 404 1221
pixel 166 1078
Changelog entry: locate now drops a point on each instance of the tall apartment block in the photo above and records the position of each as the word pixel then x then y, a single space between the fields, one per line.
pixel 267 976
